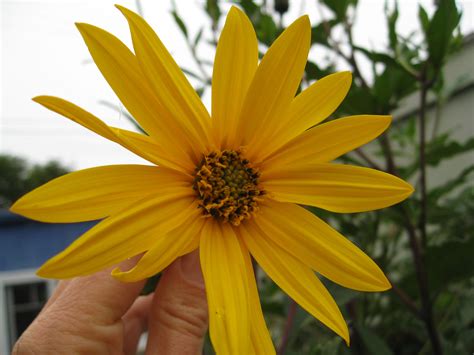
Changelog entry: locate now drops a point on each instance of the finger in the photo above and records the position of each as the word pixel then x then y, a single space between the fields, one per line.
pixel 179 316
pixel 85 316
pixel 60 287
pixel 135 323
pixel 98 298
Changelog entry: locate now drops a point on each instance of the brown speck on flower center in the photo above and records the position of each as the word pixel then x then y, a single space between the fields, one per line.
pixel 227 187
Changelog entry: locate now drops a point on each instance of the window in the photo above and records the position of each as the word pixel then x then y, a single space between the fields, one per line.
pixel 23 303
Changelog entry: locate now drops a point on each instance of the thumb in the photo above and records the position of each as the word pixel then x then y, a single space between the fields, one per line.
pixel 179 317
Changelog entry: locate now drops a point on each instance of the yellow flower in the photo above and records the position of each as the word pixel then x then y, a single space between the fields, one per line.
pixel 231 186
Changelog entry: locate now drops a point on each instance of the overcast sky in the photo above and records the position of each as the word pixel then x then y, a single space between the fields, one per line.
pixel 43 53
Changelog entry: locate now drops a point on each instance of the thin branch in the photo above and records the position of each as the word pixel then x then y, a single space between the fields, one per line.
pixel 352 60
pixel 422 153
pixel 367 159
pixel 416 249
pixel 391 167
pixel 290 320
pixel 426 301
pixel 420 269
pixel 418 260
pixel 406 300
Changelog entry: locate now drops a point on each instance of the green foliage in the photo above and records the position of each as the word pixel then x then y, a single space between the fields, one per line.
pixel 392 18
pixel 17 177
pixel 213 10
pixel 439 30
pixel 180 23
pixel 450 262
pixel 372 342
pixel 442 147
pixel 339 7
pixel 389 87
pixel 264 24
pixel 319 33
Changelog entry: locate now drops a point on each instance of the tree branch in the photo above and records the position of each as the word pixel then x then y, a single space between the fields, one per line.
pixel 290 319
pixel 406 300
pixel 367 159
pixel 422 152
pixel 427 305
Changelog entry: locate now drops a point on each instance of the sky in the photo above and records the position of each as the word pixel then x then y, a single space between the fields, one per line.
pixel 42 53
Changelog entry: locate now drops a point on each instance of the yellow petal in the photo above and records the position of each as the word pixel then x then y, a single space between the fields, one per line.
pixel 328 141
pixel 274 86
pixel 96 193
pixel 337 188
pixel 120 68
pixel 166 248
pixel 126 234
pixel 224 271
pixel 311 107
pixel 320 247
pixel 293 277
pixel 76 114
pixel 143 146
pixel 317 102
pixel 260 339
pixel 177 99
pixel 234 66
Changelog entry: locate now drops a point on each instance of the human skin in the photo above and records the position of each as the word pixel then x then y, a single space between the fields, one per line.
pixel 99 315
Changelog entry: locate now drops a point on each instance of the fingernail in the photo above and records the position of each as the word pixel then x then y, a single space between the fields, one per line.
pixel 191 269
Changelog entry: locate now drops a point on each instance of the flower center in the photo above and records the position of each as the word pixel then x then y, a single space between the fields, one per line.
pixel 227 187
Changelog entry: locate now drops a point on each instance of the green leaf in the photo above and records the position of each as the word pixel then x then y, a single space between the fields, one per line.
pixel 438 150
pixel 441 31
pixel 321 32
pixel 339 7
pixel 450 262
pixel 375 345
pixel 452 216
pixel 358 100
pixel 200 91
pixel 392 18
pixel 180 23
pixel 213 11
pixel 442 148
pixel 198 37
pixel 314 72
pixel 392 85
pixel 405 133
pixel 424 19
pixel 249 6
pixel 440 191
pixel 266 28
pixel 377 56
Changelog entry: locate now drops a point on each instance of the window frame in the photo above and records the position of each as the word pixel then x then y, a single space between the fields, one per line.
pixel 14 278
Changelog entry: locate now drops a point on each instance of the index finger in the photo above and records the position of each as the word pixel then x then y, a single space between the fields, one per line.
pixel 98 298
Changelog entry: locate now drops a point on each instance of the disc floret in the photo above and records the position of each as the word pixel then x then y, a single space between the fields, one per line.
pixel 227 186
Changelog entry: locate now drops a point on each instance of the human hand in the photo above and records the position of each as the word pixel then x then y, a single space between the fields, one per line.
pixel 99 315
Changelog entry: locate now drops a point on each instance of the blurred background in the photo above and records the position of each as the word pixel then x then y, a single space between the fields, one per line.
pixel 411 59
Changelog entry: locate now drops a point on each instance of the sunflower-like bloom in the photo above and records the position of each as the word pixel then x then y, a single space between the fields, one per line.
pixel 231 185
